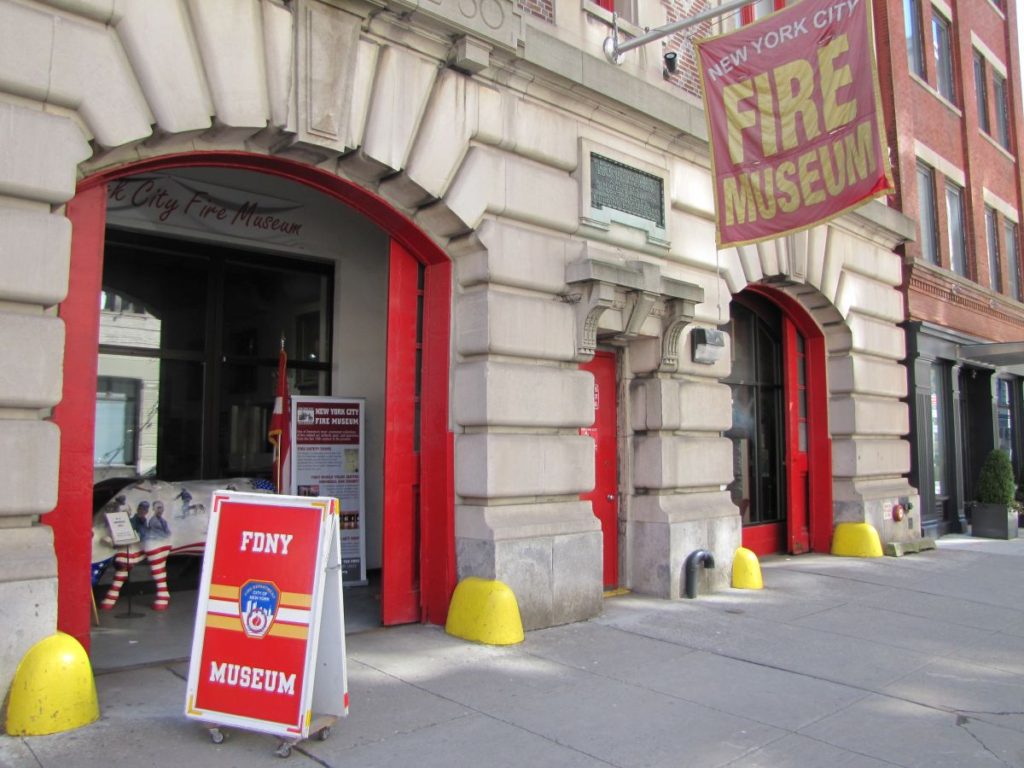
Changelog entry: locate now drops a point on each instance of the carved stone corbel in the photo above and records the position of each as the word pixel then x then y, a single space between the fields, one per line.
pixel 635 287
pixel 678 313
pixel 594 299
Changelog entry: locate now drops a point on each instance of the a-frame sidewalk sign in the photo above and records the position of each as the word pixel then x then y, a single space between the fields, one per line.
pixel 268 648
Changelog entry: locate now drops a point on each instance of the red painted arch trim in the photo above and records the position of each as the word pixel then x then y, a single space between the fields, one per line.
pixel 819 481
pixel 374 207
pixel 71 520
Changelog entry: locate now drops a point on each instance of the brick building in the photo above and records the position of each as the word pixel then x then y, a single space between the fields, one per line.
pixel 950 74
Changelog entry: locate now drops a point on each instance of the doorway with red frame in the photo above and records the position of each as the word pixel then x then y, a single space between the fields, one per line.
pixel 781 450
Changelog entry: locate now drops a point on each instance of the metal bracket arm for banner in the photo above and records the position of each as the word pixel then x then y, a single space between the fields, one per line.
pixel 614 51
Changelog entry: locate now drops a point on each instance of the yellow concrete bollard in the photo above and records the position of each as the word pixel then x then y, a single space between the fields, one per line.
pixel 856 540
pixel 746 570
pixel 53 689
pixel 484 611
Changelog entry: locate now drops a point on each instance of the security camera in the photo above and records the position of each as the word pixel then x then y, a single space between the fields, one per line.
pixel 671 62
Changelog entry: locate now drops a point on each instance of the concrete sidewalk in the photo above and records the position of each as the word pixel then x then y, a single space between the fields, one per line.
pixel 838 662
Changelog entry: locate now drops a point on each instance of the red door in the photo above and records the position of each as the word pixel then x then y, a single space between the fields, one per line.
pixel 605 496
pixel 400 575
pixel 782 449
pixel 794 359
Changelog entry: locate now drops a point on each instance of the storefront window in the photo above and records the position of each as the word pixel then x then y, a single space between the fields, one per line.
pixel 1004 414
pixel 940 389
pixel 202 339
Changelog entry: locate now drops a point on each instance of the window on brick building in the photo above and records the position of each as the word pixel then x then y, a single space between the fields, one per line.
pixel 926 214
pixel 1010 248
pixel 957 229
pixel 999 101
pixel 915 36
pixel 992 238
pixel 981 90
pixel 760 9
pixel 943 50
pixel 625 9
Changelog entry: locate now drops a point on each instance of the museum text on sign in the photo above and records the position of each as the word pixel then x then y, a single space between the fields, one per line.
pixel 794 119
pixel 270 587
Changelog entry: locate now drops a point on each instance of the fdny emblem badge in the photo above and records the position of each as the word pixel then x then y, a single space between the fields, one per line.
pixel 257 603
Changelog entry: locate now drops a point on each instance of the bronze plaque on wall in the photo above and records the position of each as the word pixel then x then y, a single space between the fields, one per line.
pixel 626 189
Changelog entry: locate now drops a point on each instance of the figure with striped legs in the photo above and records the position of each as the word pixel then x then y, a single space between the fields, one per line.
pixel 153 540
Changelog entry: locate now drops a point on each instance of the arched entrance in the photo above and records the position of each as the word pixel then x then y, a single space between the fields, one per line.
pixel 781 449
pixel 418 574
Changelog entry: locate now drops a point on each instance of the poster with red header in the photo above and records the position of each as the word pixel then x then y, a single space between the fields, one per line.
pixel 268 648
pixel 328 449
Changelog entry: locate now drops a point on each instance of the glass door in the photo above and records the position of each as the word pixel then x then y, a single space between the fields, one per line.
pixel 758 431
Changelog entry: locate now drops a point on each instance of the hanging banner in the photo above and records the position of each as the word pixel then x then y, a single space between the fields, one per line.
pixel 794 119
pixel 328 447
pixel 268 648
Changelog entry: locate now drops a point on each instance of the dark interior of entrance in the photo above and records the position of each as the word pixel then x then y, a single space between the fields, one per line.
pixel 759 479
pixel 189 340
pixel 188 360
pixel 977 432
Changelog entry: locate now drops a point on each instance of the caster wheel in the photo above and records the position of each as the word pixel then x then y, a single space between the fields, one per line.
pixel 324 733
pixel 283 750
pixel 216 736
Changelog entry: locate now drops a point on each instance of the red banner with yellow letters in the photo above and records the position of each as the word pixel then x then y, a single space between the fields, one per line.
pixel 794 119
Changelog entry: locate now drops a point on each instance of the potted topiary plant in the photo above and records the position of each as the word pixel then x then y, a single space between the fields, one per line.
pixel 993 516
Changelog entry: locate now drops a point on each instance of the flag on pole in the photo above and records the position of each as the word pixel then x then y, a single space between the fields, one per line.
pixel 280 427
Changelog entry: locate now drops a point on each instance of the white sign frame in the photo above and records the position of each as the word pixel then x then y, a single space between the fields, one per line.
pixel 324 693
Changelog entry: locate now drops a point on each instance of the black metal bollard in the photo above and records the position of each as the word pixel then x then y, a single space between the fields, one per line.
pixel 694 559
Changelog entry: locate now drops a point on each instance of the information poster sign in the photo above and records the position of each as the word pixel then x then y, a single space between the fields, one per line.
pixel 328 449
pixel 268 649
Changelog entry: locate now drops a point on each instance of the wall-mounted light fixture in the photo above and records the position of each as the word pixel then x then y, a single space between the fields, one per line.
pixel 671 59
pixel 708 345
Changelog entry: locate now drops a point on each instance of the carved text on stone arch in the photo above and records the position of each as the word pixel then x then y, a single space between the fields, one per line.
pixel 494 21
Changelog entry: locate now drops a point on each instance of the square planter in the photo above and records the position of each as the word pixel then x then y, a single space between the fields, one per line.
pixel 993 521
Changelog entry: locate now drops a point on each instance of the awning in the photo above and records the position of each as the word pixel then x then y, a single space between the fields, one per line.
pixel 998 353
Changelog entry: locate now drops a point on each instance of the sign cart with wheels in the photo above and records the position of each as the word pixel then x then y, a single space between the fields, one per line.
pixel 268 649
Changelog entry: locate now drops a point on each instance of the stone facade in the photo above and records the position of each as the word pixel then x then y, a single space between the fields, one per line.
pixel 479 133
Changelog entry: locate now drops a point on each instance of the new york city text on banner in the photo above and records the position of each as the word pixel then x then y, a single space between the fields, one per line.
pixel 794 119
